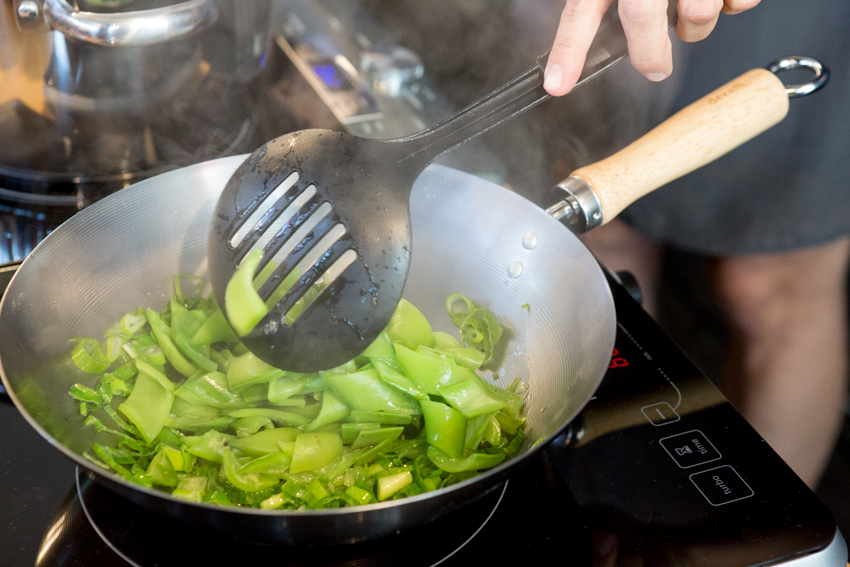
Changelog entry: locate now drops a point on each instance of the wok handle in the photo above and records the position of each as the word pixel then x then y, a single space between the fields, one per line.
pixel 691 138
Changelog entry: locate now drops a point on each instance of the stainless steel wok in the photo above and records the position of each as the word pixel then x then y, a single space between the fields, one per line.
pixel 469 236
pixel 123 252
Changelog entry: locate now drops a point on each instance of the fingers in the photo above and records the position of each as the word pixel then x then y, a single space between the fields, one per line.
pixel 733 7
pixel 576 30
pixel 697 18
pixel 605 546
pixel 645 24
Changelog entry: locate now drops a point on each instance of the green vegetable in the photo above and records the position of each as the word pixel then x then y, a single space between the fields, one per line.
pixel 245 308
pixel 445 427
pixel 88 356
pixel 265 442
pixel 314 450
pixel 150 401
pixel 409 327
pixel 471 397
pixel 208 421
pixel 389 485
pixel 371 437
pixel 478 326
pixel 162 333
pixel 474 462
pixel 332 411
pixel 247 482
pixel 365 391
pixel 247 370
pixel 430 369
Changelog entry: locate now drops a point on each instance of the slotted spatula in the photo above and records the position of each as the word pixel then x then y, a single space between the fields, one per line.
pixel 349 196
pixel 345 234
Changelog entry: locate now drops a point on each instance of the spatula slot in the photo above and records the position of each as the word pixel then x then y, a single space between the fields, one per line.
pixel 304 273
pixel 259 220
pixel 318 275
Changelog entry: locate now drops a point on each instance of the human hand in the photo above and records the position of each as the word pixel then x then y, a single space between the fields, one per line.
pixel 645 24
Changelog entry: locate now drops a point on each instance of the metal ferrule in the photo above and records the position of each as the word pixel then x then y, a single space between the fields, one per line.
pixel 576 206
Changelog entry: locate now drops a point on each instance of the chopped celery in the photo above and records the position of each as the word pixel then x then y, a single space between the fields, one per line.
pixel 389 485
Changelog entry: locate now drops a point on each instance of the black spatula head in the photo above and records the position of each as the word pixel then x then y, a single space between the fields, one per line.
pixel 287 198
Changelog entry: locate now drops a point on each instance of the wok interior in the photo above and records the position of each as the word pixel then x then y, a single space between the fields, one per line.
pixel 469 236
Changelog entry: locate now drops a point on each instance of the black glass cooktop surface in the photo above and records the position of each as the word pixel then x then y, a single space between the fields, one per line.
pixel 658 470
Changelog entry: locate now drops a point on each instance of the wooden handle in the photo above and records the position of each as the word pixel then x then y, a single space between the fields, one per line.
pixel 691 138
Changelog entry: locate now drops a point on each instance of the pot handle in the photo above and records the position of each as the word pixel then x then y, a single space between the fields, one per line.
pixel 694 136
pixel 130 29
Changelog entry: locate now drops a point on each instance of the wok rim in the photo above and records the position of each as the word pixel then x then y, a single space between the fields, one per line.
pixel 111 477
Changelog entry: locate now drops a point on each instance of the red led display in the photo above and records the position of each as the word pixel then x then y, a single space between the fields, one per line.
pixel 617 361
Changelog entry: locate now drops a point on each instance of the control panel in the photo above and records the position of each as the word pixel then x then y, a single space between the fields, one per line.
pixel 660 457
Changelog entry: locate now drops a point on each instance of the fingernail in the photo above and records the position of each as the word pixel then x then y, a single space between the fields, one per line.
pixel 553 77
pixel 655 77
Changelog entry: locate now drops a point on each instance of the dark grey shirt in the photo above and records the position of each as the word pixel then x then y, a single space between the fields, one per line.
pixel 789 187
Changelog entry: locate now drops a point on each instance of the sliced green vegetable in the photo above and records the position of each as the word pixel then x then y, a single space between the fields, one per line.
pixel 471 397
pixel 474 462
pixel 286 385
pixel 371 437
pixel 161 470
pixel 389 485
pixel 382 347
pixel 209 446
pixel 266 441
pixel 133 322
pixel 409 327
pixel 430 369
pixel 247 370
pixel 211 389
pixel 149 403
pixel 445 427
pixel 162 333
pixel 333 410
pixel 350 431
pixel 273 464
pixel 277 416
pixel 244 307
pixel 469 357
pixel 252 482
pixel 190 488
pixel 214 329
pixel 391 373
pixel 88 356
pixel 354 434
pixel 314 450
pixel 445 340
pixel 478 326
pixel 365 391
pixel 384 417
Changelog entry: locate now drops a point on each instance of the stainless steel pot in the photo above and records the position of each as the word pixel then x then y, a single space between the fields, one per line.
pixel 108 92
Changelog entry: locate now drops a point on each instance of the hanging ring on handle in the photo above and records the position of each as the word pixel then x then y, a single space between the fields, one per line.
pixel 820 70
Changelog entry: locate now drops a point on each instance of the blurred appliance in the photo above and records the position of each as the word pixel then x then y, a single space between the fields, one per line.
pixel 97 95
pixel 100 94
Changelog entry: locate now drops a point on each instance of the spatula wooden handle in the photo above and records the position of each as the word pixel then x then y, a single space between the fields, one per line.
pixel 691 138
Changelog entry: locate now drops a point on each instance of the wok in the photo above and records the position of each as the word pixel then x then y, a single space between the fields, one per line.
pixel 469 236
